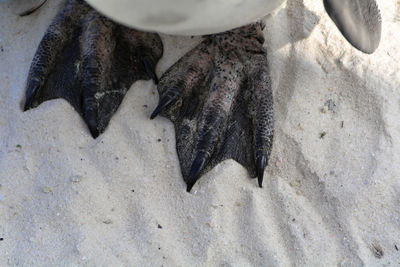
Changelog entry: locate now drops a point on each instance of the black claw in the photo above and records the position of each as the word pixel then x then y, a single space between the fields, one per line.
pixel 28 104
pixel 30 96
pixel 94 132
pixel 150 70
pixel 164 102
pixel 92 122
pixel 197 167
pixel 261 164
pixel 189 187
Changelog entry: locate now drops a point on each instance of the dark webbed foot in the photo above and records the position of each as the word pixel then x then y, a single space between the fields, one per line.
pixel 91 62
pixel 219 98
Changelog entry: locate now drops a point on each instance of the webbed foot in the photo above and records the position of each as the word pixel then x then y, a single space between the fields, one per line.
pixel 91 62
pixel 219 98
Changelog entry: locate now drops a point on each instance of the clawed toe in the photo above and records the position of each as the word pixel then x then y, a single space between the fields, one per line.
pixel 91 62
pixel 219 98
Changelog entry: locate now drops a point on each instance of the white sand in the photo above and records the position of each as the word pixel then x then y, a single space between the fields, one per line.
pixel 68 200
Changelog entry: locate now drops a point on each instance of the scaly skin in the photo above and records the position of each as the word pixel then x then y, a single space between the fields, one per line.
pixel 220 99
pixel 91 62
pixel 218 95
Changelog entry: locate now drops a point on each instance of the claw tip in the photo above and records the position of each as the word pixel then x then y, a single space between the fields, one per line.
pixel 29 104
pixel 94 132
pixel 154 114
pixel 157 110
pixel 197 167
pixel 261 164
pixel 26 107
pixel 189 187
pixel 31 98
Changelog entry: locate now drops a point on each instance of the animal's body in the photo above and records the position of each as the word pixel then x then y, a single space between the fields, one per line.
pixel 186 17
pixel 218 95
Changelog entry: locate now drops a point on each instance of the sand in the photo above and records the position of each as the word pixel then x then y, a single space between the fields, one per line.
pixel 331 191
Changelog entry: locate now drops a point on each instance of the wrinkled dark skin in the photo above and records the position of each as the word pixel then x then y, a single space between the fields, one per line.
pixel 218 95
pixel 219 98
pixel 91 62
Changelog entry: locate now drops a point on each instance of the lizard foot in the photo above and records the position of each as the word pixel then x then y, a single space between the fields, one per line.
pixel 219 98
pixel 91 62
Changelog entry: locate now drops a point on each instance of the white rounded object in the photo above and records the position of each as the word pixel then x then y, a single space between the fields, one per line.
pixel 185 17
